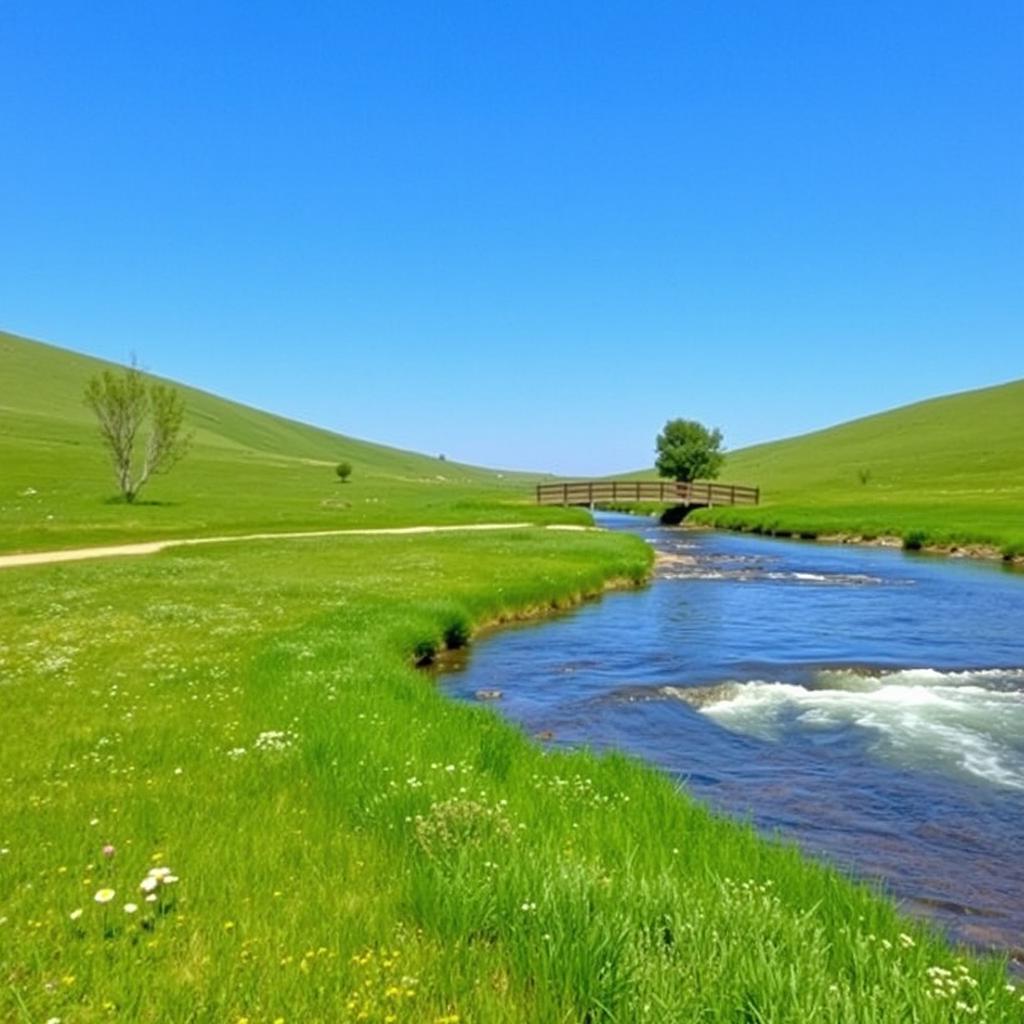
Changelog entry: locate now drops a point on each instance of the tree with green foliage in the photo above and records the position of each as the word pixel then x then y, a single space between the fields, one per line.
pixel 687 450
pixel 344 471
pixel 126 404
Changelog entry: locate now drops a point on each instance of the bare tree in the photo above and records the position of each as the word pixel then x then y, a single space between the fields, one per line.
pixel 125 404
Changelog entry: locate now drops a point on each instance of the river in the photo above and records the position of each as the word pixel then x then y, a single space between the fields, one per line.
pixel 865 703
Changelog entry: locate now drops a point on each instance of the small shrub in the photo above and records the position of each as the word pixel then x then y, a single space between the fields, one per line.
pixel 460 823
pixel 344 471
pixel 914 540
pixel 457 634
pixel 424 652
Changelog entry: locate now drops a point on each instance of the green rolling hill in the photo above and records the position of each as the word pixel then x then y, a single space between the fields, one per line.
pixel 247 470
pixel 948 471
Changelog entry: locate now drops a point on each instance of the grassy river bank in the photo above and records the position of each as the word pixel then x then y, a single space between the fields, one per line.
pixel 349 845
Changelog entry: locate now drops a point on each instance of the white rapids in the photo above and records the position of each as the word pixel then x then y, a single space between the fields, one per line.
pixel 967 723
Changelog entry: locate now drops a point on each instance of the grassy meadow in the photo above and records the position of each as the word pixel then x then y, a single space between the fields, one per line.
pixel 230 795
pixel 946 472
pixel 248 471
pixel 339 842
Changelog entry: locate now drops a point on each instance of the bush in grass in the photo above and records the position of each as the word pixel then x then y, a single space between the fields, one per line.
pixel 914 540
pixel 344 471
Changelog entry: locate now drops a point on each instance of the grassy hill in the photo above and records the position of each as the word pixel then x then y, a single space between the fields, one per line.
pixel 248 470
pixel 230 796
pixel 948 471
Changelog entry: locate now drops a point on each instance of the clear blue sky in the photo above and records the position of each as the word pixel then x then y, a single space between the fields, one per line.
pixel 523 234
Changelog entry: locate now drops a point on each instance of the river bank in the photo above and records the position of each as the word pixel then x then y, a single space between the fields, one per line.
pixel 349 842
pixel 760 524
pixel 932 530
pixel 880 728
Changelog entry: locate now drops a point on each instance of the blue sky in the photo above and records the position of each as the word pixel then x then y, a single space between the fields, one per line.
pixel 523 234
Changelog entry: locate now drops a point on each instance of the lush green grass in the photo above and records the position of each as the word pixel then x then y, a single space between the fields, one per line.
pixel 345 843
pixel 950 470
pixel 248 471
pixel 350 845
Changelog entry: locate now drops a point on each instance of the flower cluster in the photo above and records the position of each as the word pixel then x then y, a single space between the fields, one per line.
pixel 156 878
pixel 953 984
pixel 276 741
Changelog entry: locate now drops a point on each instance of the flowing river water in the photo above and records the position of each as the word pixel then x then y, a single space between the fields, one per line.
pixel 865 703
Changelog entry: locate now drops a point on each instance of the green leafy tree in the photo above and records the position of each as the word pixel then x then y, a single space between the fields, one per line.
pixel 344 471
pixel 687 450
pixel 128 409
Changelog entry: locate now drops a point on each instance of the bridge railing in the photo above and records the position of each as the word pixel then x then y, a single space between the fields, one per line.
pixel 699 492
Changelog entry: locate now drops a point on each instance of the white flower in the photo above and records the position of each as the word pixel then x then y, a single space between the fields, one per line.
pixel 151 898
pixel 149 883
pixel 104 895
pixel 130 908
pixel 158 873
pixel 75 914
pixel 169 879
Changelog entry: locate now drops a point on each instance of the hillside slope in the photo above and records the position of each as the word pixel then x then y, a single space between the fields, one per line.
pixel 949 470
pixel 247 469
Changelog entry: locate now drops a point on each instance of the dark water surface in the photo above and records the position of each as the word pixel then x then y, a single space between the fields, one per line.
pixel 866 703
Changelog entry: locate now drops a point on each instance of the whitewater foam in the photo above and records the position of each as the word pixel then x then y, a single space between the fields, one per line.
pixel 966 723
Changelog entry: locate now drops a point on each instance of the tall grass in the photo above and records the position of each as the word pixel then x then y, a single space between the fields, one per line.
pixel 350 845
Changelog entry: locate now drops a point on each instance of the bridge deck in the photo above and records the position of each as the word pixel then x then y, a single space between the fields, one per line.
pixel 699 492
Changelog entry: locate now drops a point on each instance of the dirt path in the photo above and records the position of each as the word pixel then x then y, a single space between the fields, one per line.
pixel 151 547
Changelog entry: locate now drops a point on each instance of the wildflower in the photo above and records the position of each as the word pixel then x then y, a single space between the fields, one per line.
pixel 905 940
pixel 109 851
pixel 104 895
pixel 151 898
pixel 130 908
pixel 158 873
pixel 75 914
pixel 149 883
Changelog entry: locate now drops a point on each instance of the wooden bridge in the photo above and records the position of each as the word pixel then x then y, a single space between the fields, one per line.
pixel 595 492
